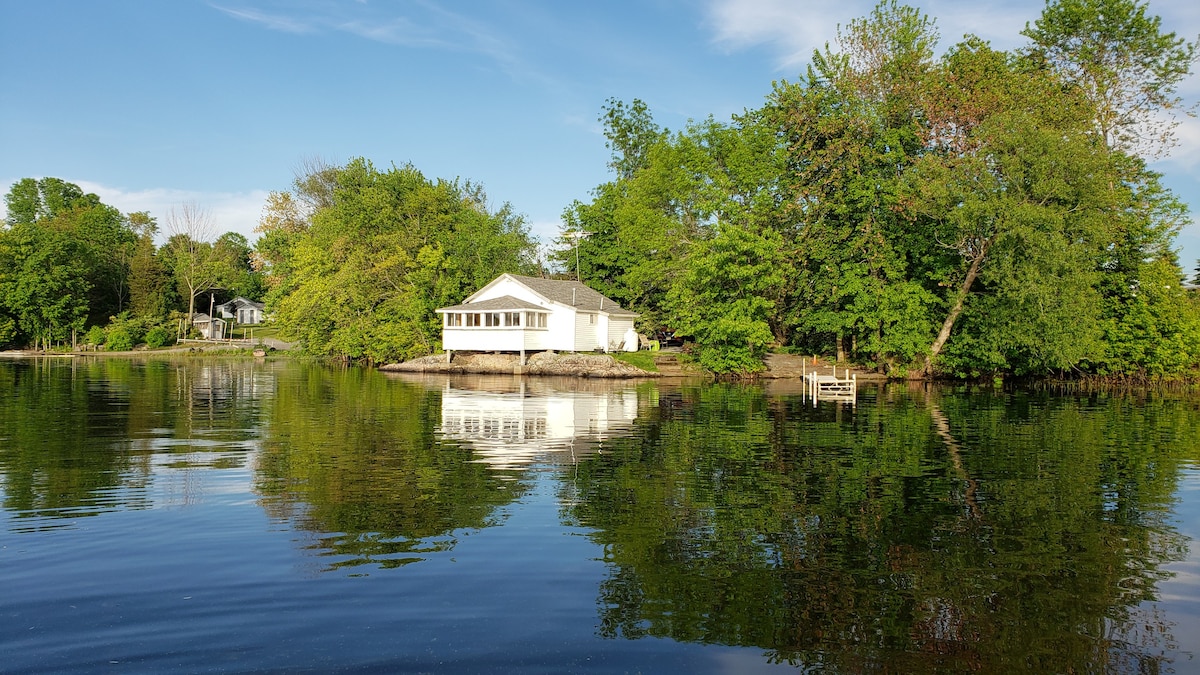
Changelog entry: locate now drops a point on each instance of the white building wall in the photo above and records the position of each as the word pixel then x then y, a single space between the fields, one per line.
pixel 537 340
pixel 560 326
pixel 586 333
pixel 483 339
pixel 509 287
pixel 617 326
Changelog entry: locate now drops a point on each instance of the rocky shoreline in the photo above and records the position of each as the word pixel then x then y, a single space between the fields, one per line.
pixel 779 366
pixel 541 363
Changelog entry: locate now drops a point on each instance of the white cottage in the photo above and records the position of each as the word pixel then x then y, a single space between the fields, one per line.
pixel 530 314
pixel 242 310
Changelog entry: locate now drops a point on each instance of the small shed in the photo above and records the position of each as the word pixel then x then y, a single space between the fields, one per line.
pixel 211 328
pixel 523 314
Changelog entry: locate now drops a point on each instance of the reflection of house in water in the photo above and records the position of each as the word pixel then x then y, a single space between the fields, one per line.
pixel 216 385
pixel 512 422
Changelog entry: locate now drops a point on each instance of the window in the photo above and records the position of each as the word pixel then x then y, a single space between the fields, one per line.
pixel 472 319
pixel 535 319
pixel 492 319
pixel 454 319
pixel 592 319
pixel 512 319
pixel 541 320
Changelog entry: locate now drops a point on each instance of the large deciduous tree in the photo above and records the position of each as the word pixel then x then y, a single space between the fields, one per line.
pixel 381 252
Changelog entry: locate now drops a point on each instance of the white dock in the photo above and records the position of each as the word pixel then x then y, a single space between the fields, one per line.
pixel 830 387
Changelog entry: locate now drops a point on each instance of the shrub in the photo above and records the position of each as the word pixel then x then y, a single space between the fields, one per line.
pixel 120 338
pixel 159 337
pixel 95 335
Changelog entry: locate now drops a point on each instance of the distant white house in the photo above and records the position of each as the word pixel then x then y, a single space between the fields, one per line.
pixel 242 311
pixel 530 314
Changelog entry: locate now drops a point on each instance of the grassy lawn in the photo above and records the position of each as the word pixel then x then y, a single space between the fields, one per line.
pixel 257 332
pixel 643 360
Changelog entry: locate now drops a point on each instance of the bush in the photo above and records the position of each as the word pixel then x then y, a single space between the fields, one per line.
pixel 159 337
pixel 120 338
pixel 95 335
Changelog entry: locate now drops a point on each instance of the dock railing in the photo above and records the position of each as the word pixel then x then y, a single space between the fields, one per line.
pixel 830 387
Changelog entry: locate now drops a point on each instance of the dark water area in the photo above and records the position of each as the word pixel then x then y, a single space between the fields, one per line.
pixel 258 516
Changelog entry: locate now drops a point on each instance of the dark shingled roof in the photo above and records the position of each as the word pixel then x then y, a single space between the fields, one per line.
pixel 502 303
pixel 573 293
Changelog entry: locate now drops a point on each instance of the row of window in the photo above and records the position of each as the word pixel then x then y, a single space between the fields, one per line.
pixel 494 319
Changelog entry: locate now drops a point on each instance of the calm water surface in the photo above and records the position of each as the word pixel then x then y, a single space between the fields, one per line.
pixel 225 516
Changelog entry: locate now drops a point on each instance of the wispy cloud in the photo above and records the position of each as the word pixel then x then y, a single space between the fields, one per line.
pixel 279 22
pixel 420 25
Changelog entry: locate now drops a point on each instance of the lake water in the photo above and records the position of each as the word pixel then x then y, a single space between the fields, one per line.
pixel 232 515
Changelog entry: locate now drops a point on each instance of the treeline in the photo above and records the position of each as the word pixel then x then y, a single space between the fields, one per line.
pixel 74 270
pixel 979 212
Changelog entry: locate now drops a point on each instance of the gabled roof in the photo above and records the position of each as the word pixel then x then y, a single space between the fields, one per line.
pixel 242 302
pixel 570 293
pixel 506 302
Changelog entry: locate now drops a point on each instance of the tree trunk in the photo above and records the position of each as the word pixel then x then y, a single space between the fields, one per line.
pixel 956 309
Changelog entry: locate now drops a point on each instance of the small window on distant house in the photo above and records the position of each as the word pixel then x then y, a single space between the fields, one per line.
pixel 512 319
pixel 492 319
pixel 472 319
pixel 541 320
pixel 592 319
pixel 453 319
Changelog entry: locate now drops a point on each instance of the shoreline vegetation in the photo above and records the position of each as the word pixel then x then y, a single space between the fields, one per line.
pixel 777 367
pixel 925 211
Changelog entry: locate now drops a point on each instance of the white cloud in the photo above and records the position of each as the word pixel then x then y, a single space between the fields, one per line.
pixel 793 30
pixel 230 211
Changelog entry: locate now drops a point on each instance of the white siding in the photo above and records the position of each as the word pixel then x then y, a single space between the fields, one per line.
pixel 617 325
pixel 561 327
pixel 586 333
pixel 479 339
pixel 536 340
pixel 509 287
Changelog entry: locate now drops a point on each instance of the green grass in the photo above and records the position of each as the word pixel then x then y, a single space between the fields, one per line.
pixel 258 332
pixel 643 360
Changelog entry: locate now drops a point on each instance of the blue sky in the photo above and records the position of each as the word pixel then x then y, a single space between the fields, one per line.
pixel 151 104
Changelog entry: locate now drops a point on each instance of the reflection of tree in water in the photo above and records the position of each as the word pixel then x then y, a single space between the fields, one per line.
pixel 873 544
pixel 352 457
pixel 82 436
